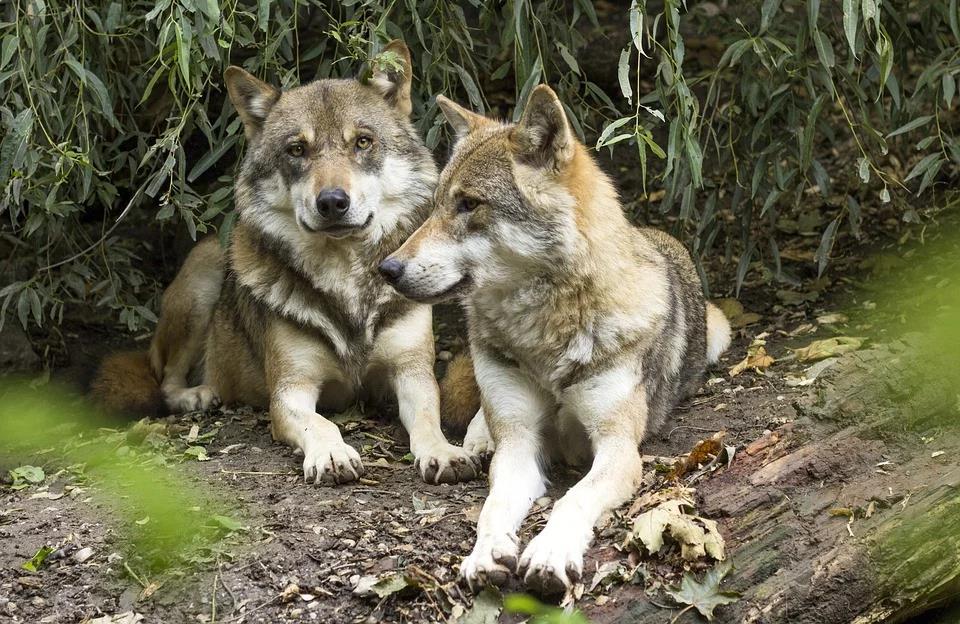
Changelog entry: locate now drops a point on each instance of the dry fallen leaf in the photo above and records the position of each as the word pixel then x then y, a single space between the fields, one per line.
pixel 735 313
pixel 757 358
pixel 704 595
pixel 828 347
pixel 811 373
pixel 673 517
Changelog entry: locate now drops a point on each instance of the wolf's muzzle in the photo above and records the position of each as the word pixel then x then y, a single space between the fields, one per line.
pixel 332 204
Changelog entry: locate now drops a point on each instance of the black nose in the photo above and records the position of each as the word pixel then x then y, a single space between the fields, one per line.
pixel 392 270
pixel 333 203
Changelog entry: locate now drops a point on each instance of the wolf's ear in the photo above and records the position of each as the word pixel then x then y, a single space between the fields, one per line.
pixel 543 137
pixel 393 80
pixel 252 98
pixel 462 120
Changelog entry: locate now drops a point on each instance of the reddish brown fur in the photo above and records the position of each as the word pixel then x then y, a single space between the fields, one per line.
pixel 125 384
pixel 459 394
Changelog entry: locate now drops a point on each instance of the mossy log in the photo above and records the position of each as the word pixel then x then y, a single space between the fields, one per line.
pixel 849 514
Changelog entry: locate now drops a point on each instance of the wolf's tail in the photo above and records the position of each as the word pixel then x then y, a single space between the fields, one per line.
pixel 718 333
pixel 459 394
pixel 126 384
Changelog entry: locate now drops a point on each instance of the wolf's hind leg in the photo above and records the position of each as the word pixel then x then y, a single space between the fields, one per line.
pixel 614 415
pixel 478 441
pixel 177 349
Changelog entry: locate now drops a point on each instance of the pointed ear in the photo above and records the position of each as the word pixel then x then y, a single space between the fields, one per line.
pixel 252 98
pixel 462 120
pixel 543 137
pixel 393 74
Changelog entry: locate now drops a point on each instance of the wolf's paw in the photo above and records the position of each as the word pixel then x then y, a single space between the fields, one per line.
pixel 551 563
pixel 446 463
pixel 492 561
pixel 192 399
pixel 478 442
pixel 331 462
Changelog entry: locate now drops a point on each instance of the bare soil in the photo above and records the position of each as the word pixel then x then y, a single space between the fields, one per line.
pixel 305 548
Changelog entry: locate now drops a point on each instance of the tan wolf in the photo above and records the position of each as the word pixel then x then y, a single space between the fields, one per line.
pixel 293 313
pixel 584 330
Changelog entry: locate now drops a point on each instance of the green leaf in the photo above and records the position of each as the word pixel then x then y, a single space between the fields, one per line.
pixel 767 12
pixel 471 87
pixel 8 48
pixel 391 584
pixel 824 49
pixel 949 86
pixel 568 58
pixel 826 245
pixel 26 475
pixel 863 169
pixel 263 14
pixel 532 80
pixel 226 523
pixel 623 74
pixel 198 452
pixel 611 127
pixel 813 15
pixel 705 595
pixel 34 563
pixel 911 125
pixel 183 54
pixel 486 608
pixel 851 16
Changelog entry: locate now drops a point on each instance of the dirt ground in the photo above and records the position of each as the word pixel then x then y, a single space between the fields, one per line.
pixel 324 540
pixel 303 552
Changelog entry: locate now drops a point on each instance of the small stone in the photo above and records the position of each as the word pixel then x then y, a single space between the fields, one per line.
pixel 83 554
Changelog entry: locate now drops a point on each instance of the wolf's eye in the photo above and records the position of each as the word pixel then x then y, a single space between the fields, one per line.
pixel 363 142
pixel 295 150
pixel 467 204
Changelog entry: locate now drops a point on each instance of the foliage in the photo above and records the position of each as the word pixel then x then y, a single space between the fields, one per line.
pixel 525 604
pixel 115 121
pixel 166 520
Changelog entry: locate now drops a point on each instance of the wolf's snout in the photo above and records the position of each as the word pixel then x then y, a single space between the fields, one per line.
pixel 392 270
pixel 333 203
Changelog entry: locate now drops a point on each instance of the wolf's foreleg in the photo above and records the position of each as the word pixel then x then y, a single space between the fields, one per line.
pixel 297 370
pixel 406 350
pixel 516 408
pixel 294 421
pixel 613 411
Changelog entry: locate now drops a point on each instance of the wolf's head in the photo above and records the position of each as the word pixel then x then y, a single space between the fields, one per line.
pixel 334 158
pixel 509 203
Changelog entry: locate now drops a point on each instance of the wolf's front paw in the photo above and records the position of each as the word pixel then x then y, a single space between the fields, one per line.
pixel 192 399
pixel 551 563
pixel 492 561
pixel 332 461
pixel 446 463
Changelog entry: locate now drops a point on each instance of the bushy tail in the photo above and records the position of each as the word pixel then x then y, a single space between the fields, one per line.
pixel 126 384
pixel 459 394
pixel 718 333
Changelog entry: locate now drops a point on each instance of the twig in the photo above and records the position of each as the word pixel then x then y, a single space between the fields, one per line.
pixel 687 608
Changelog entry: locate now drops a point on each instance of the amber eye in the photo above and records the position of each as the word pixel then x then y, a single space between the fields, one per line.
pixel 363 142
pixel 467 204
pixel 295 149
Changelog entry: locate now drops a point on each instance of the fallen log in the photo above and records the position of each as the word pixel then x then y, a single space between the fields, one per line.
pixel 849 514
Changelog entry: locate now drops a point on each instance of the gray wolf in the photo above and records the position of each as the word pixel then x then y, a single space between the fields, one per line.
pixel 584 330
pixel 293 312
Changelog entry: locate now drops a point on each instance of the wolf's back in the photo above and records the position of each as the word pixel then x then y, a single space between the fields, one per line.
pixel 126 384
